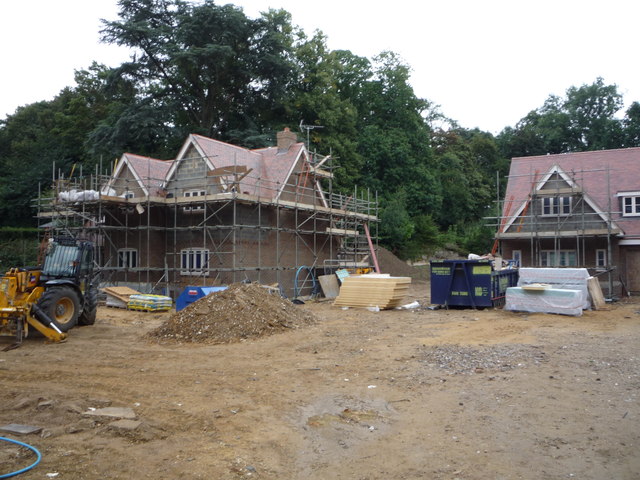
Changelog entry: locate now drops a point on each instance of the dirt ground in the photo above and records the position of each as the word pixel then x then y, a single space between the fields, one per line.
pixel 413 394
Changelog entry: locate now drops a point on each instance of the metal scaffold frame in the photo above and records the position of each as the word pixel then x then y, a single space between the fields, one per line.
pixel 570 230
pixel 306 227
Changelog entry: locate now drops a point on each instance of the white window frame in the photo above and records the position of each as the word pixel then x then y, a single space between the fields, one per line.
pixel 516 256
pixel 601 258
pixel 632 202
pixel 556 206
pixel 191 194
pixel 194 261
pixel 127 258
pixel 548 258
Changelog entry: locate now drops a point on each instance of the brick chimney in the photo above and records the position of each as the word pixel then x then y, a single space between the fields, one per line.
pixel 286 138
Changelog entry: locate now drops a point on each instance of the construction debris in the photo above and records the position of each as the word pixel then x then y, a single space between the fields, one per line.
pixel 374 290
pixel 240 312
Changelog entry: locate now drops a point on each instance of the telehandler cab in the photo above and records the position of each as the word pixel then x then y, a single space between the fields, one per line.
pixel 53 297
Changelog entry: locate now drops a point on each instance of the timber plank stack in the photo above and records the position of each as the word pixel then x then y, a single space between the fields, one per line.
pixel 380 291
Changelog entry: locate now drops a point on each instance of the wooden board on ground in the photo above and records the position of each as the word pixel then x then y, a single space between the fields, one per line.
pixel 379 291
pixel 330 286
pixel 119 296
pixel 597 298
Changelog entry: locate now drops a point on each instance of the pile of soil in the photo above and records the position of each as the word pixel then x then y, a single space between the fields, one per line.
pixel 392 265
pixel 241 311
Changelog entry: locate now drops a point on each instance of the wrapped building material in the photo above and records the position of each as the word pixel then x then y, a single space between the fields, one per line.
pixel 547 300
pixel 559 278
pixel 150 303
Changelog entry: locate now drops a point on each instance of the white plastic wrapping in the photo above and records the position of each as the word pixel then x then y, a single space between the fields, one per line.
pixel 559 278
pixel 550 300
pixel 78 195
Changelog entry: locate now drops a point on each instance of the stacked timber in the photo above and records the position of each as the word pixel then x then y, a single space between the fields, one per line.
pixel 381 291
pixel 118 297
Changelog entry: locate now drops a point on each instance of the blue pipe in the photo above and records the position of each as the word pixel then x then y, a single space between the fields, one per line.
pixel 296 290
pixel 33 449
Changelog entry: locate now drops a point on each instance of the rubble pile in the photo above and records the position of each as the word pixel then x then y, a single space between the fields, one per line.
pixel 240 312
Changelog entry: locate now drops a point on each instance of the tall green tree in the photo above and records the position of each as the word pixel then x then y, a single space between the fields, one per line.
pixel 585 119
pixel 210 69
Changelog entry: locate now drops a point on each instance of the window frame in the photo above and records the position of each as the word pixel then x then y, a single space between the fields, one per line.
pixel 634 205
pixel 563 256
pixel 601 262
pixel 192 194
pixel 556 206
pixel 129 259
pixel 516 256
pixel 194 261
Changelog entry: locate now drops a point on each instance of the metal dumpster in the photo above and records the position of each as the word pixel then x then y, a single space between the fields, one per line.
pixel 470 283
pixel 191 294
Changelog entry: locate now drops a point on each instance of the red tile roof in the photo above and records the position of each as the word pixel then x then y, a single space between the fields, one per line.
pixel 151 171
pixel 601 174
pixel 270 166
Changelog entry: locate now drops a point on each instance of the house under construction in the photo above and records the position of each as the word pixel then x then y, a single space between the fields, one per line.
pixel 576 210
pixel 216 214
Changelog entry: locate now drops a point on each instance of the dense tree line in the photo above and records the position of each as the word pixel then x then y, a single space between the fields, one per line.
pixel 209 69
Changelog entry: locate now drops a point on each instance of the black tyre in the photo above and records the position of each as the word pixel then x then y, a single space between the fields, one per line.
pixel 88 315
pixel 62 306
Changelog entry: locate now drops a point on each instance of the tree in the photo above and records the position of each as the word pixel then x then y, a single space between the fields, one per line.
pixel 583 120
pixel 209 68
pixel 631 126
pixel 591 110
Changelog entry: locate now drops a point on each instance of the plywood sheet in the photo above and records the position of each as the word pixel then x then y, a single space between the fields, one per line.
pixel 119 294
pixel 597 298
pixel 329 284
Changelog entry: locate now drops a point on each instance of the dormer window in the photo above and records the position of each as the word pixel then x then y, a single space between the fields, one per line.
pixel 194 193
pixel 631 206
pixel 556 206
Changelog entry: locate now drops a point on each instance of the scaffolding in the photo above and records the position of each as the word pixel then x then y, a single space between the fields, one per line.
pixel 234 226
pixel 557 223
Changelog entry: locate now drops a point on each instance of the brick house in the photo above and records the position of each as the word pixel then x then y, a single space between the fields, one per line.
pixel 576 209
pixel 219 213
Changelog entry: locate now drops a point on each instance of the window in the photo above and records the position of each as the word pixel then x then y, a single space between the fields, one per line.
pixel 631 206
pixel 556 206
pixel 129 194
pixel 127 258
pixel 558 258
pixel 601 258
pixel 516 256
pixel 194 193
pixel 194 261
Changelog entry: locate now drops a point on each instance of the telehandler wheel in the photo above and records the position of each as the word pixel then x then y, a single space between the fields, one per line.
pixel 88 315
pixel 62 306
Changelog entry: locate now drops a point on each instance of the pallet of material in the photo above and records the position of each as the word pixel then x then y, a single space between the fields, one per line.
pixel 118 297
pixel 379 291
pixel 150 303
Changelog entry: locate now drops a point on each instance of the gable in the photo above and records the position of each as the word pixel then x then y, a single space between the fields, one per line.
pixel 556 202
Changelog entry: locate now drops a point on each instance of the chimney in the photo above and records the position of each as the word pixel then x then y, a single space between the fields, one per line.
pixel 286 138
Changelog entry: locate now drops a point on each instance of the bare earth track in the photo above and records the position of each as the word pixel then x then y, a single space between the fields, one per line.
pixel 416 394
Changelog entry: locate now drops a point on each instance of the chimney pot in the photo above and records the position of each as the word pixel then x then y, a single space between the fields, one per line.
pixel 286 138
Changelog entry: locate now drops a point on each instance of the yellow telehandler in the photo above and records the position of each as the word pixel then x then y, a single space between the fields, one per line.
pixel 52 298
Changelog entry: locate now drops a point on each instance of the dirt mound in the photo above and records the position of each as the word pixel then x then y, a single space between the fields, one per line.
pixel 241 311
pixel 392 265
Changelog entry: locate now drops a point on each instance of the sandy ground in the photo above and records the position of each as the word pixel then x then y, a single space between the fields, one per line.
pixel 420 394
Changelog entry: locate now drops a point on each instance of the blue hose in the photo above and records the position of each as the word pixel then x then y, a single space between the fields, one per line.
pixel 314 287
pixel 33 449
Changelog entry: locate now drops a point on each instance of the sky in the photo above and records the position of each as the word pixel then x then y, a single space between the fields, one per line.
pixel 486 63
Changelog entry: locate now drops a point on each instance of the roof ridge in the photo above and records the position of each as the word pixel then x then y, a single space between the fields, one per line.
pixel 221 142
pixel 587 152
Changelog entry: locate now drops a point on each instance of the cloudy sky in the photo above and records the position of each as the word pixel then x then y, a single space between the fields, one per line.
pixel 486 63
